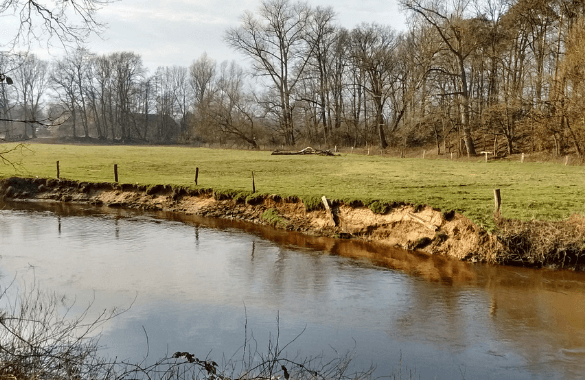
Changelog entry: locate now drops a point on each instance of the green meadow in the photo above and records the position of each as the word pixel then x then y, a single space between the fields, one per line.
pixel 530 190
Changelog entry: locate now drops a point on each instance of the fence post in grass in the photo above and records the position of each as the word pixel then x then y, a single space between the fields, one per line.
pixel 352 150
pixel 451 155
pixel 424 152
pixel 116 172
pixel 498 201
pixel 368 151
pixel 566 160
pixel 253 184
pixel 196 175
pixel 57 169
pixel 522 158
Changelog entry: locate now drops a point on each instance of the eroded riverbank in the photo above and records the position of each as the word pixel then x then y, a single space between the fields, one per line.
pixel 538 244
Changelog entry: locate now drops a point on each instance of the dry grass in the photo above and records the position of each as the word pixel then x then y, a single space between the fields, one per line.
pixel 539 243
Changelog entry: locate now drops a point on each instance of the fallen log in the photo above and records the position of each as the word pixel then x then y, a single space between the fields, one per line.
pixel 307 150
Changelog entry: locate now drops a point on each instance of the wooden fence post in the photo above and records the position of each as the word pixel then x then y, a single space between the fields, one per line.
pixel 497 200
pixel 522 158
pixel 253 184
pixel 329 210
pixel 196 175
pixel 57 169
pixel 424 152
pixel 566 160
pixel 116 172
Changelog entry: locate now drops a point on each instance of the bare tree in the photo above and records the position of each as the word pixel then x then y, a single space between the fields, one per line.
pixel 455 30
pixel 127 71
pixel 373 50
pixel 202 76
pixel 67 21
pixel 321 36
pixel 32 81
pixel 275 39
pixel 232 109
pixel 7 94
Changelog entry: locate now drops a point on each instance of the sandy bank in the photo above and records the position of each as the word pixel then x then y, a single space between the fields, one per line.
pixel 402 225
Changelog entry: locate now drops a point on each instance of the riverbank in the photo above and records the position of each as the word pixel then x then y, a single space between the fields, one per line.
pixel 558 245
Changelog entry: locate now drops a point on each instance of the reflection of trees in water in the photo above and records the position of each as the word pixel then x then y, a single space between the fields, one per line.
pixel 437 314
pixel 277 274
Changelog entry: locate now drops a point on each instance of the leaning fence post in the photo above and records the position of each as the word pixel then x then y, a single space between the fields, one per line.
pixel 57 169
pixel 116 172
pixel 329 210
pixel 497 200
pixel 196 175
pixel 253 184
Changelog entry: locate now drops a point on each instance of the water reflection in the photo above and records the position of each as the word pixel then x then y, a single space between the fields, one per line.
pixel 195 277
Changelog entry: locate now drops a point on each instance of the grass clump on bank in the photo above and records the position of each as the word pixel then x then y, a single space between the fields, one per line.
pixel 530 190
pixel 273 218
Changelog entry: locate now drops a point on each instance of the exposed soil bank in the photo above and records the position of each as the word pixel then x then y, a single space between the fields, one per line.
pixel 537 244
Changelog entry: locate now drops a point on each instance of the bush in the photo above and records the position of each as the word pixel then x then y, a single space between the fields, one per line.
pixel 379 207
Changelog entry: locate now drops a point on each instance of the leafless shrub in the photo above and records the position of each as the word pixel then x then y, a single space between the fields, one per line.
pixel 40 339
pixel 253 364
pixel 542 244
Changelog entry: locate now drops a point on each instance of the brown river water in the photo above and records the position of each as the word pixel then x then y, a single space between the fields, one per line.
pixel 197 284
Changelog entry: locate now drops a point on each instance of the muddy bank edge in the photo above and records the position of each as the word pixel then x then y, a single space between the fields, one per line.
pixel 559 245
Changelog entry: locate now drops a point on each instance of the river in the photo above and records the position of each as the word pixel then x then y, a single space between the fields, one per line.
pixel 199 285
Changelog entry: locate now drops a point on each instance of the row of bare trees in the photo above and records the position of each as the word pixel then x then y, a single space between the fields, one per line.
pixel 86 95
pixel 467 75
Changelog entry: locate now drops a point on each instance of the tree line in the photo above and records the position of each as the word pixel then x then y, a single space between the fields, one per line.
pixel 504 76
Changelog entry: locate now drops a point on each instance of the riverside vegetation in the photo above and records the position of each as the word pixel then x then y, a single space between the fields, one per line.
pixel 538 198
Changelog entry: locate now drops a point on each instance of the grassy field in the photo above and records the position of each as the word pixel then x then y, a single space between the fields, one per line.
pixel 548 191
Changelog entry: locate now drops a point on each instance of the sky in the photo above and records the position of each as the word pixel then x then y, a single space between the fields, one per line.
pixel 177 32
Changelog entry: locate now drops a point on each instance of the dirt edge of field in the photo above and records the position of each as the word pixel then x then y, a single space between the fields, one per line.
pixel 559 245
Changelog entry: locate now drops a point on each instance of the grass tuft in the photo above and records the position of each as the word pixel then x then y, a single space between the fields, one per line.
pixel 273 218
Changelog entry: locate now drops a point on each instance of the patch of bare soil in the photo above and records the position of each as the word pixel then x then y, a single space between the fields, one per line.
pixel 421 228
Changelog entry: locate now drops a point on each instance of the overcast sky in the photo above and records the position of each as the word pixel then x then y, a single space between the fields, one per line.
pixel 176 32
